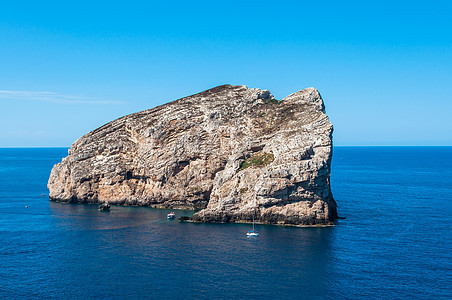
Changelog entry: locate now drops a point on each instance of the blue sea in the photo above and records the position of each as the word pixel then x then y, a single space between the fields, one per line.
pixel 395 243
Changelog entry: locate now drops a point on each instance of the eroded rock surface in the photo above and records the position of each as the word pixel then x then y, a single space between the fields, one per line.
pixel 231 151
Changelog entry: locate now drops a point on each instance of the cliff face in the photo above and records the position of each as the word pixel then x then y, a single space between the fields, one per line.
pixel 231 151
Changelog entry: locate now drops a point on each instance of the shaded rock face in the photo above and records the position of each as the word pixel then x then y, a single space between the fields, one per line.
pixel 231 151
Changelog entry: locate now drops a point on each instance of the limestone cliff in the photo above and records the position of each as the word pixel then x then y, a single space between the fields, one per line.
pixel 231 151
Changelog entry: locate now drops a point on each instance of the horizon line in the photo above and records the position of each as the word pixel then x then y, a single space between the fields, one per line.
pixel 12 147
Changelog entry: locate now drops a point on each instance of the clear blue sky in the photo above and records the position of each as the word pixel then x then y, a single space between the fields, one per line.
pixel 384 68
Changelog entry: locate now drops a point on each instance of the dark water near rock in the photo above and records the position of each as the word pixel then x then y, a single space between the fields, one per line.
pixel 395 243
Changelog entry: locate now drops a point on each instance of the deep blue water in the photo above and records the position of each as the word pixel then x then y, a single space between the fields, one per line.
pixel 395 242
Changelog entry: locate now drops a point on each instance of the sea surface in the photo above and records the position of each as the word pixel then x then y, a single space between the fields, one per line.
pixel 395 243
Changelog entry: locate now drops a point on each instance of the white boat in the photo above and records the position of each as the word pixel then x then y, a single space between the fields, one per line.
pixel 171 215
pixel 252 232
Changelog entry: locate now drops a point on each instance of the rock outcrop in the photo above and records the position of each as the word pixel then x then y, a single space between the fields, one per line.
pixel 231 151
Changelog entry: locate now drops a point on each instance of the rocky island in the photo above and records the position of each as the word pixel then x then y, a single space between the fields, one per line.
pixel 230 152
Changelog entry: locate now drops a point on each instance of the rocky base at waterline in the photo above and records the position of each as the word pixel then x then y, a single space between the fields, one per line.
pixel 231 151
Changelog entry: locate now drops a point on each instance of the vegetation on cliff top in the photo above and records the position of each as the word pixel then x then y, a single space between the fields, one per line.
pixel 258 160
pixel 273 101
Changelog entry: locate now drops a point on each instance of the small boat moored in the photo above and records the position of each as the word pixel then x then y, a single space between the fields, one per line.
pixel 252 232
pixel 171 216
pixel 104 207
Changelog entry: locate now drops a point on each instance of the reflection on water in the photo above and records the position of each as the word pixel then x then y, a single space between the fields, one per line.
pixel 87 216
pixel 142 252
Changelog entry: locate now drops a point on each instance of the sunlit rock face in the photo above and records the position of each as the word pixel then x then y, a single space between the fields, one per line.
pixel 231 151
